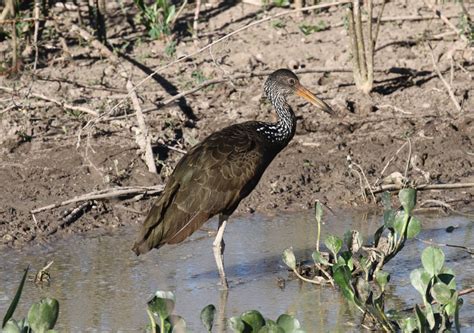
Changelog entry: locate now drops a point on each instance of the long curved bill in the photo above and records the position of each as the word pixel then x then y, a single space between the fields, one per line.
pixel 310 97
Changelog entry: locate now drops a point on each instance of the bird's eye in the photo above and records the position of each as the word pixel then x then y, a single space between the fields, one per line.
pixel 291 81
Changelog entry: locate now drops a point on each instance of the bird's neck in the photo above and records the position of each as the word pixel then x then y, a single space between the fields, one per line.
pixel 282 131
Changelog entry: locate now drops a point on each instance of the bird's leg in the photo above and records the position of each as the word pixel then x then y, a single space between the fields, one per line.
pixel 218 247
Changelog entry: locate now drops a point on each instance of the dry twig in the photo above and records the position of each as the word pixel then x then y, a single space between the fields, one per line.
pixel 422 187
pixel 105 194
pixel 143 139
pixel 59 103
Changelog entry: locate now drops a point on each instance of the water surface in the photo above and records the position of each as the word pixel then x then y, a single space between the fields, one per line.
pixel 102 286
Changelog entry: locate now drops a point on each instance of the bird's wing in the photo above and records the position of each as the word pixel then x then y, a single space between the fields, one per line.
pixel 211 178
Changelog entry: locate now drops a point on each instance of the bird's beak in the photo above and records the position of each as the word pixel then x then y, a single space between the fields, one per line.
pixel 310 97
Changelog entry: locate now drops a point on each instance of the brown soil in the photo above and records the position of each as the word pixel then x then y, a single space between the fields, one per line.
pixel 42 162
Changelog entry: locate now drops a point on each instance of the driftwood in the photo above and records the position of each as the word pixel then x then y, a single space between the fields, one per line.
pixel 422 187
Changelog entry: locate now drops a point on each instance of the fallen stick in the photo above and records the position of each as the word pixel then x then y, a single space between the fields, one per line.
pixel 446 84
pixel 104 194
pixel 142 137
pixel 95 43
pixel 423 187
pixel 59 103
pixel 446 21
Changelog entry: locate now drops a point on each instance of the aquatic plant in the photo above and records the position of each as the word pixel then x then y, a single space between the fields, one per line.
pixel 42 316
pixel 358 271
pixel 253 322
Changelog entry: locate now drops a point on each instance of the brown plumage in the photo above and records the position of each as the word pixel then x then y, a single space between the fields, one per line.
pixel 216 174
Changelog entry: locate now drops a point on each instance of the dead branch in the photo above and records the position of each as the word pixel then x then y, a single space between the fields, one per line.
pixel 439 203
pixel 446 84
pixel 469 250
pixel 446 21
pixel 142 137
pixel 95 43
pixel 422 187
pixel 109 193
pixel 52 100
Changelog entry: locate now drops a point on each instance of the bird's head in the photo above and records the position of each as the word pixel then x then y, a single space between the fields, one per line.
pixel 284 82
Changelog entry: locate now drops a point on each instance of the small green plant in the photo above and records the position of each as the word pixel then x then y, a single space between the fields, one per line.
pixel 281 3
pixel 41 317
pixel 198 76
pixel 253 322
pixel 308 29
pixel 158 18
pixel 441 302
pixel 278 24
pixel 170 49
pixel 467 27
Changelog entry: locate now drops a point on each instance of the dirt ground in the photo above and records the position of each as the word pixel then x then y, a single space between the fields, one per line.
pixel 43 163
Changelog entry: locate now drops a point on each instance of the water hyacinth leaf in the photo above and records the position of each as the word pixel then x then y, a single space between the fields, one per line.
pixel 318 212
pixel 407 197
pixel 430 315
pixel 420 319
pixel 447 277
pixel 386 200
pixel 362 287
pixel 450 308
pixel 43 315
pixel 342 277
pixel 409 324
pixel 319 259
pixel 254 319
pixel 346 259
pixel 389 217
pixel 289 258
pixel 382 279
pixel 207 316
pixel 178 324
pixel 11 326
pixel 432 259
pixel 399 222
pixel 271 327
pixel 16 299
pixel 236 324
pixel 414 227
pixel 441 292
pixel 162 304
pixel 334 244
pixel 289 323
pixel 419 280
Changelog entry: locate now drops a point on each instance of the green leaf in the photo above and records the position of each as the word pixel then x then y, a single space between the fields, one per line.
pixel 447 276
pixel 254 319
pixel 389 217
pixel 420 280
pixel 43 315
pixel 289 323
pixel 387 201
pixel 16 299
pixel 319 259
pixel 236 324
pixel 342 277
pixel 430 315
pixel 382 279
pixel 162 304
pixel 271 327
pixel 289 258
pixel 441 292
pixel 414 227
pixel 451 307
pixel 334 244
pixel 432 259
pixel 408 324
pixel 11 326
pixel 399 222
pixel 318 212
pixel 420 319
pixel 407 197
pixel 207 316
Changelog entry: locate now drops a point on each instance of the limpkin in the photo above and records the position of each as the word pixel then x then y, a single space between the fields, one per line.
pixel 216 174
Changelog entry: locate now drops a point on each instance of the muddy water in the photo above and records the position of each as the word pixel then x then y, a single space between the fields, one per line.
pixel 102 286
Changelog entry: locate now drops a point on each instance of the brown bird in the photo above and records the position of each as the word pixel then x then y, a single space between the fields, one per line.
pixel 216 174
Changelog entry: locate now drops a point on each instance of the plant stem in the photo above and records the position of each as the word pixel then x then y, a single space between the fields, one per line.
pixel 152 321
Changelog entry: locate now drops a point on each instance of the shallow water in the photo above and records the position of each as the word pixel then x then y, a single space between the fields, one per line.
pixel 102 286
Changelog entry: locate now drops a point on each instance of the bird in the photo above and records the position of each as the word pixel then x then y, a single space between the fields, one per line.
pixel 217 173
